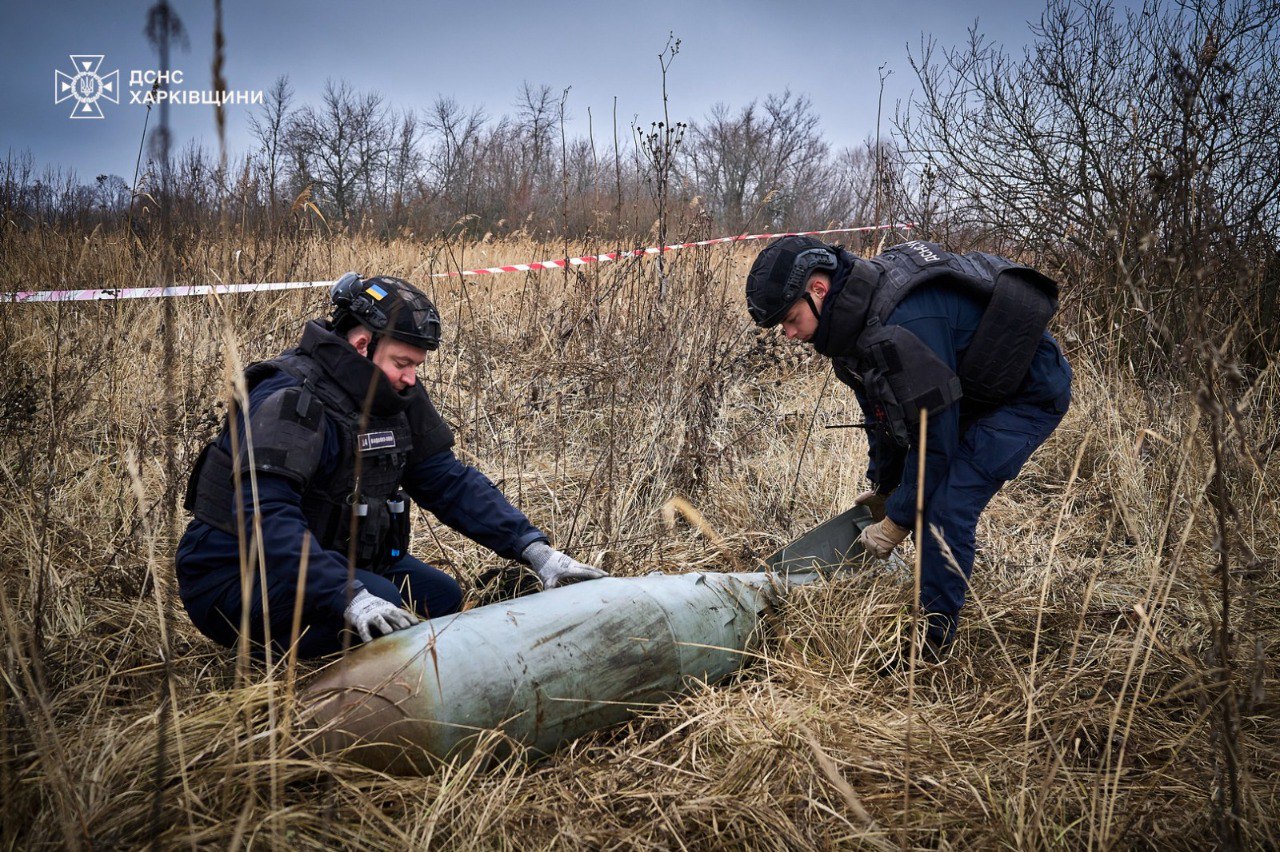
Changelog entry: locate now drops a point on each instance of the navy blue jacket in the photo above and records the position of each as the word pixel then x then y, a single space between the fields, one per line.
pixel 945 319
pixel 459 495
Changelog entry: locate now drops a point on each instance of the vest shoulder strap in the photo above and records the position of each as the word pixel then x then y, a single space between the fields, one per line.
pixel 912 264
pixel 313 380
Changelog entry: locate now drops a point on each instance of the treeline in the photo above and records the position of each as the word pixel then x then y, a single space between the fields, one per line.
pixel 1134 154
pixel 355 161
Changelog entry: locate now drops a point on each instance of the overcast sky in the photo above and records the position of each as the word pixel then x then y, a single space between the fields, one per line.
pixel 480 52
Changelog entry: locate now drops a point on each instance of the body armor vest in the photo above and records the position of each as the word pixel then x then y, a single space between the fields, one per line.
pixel 360 491
pixel 900 374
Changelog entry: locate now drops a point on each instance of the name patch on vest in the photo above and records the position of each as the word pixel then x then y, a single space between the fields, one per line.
pixel 924 254
pixel 370 441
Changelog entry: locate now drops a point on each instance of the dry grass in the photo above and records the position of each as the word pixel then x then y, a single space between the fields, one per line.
pixel 1078 712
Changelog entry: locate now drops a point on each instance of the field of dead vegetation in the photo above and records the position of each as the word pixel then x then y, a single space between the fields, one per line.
pixel 1095 700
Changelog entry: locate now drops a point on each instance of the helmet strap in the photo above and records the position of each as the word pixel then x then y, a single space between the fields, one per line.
pixel 808 298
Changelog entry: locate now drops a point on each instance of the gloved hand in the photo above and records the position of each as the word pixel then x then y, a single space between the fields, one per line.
pixel 873 501
pixel 554 567
pixel 882 537
pixel 370 611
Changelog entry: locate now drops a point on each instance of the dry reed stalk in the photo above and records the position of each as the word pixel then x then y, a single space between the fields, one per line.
pixel 1074 712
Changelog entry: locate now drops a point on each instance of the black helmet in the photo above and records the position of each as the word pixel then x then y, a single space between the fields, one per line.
pixel 778 277
pixel 386 306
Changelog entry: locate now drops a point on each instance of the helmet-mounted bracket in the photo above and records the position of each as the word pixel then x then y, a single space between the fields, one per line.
pixel 806 263
pixel 347 294
pixel 390 307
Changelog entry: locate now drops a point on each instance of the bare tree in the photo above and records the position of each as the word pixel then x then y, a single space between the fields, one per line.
pixel 112 194
pixel 761 165
pixel 536 113
pixel 404 164
pixel 338 148
pixel 854 181
pixel 453 167
pixel 269 128
pixel 458 135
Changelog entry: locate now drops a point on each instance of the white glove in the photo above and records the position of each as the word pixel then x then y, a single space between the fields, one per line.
pixel 554 567
pixel 370 611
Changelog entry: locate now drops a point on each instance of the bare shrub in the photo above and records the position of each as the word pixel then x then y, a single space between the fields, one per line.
pixel 1135 152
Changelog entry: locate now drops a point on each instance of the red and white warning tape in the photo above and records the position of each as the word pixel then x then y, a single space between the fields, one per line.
pixel 107 294
pixel 605 258
pixel 206 289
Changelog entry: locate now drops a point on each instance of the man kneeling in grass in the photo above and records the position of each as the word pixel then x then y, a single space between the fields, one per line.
pixel 340 435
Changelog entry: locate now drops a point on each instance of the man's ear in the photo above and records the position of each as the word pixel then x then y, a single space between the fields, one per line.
pixel 359 338
pixel 819 286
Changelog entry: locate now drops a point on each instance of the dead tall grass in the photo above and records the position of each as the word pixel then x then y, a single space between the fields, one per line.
pixel 1078 711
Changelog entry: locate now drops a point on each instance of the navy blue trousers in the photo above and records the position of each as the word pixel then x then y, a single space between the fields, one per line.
pixel 409 582
pixel 992 451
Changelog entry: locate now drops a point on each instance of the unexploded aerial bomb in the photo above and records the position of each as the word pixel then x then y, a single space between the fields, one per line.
pixel 546 668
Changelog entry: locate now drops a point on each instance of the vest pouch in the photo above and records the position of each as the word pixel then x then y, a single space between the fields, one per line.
pixel 888 411
pixel 904 376
pixel 1006 339
pixel 371 536
pixel 330 521
pixel 382 449
pixel 211 489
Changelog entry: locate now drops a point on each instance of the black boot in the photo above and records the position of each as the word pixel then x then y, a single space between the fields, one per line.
pixel 933 648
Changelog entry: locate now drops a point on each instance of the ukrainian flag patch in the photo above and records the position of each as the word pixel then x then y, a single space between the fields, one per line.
pixel 376 292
